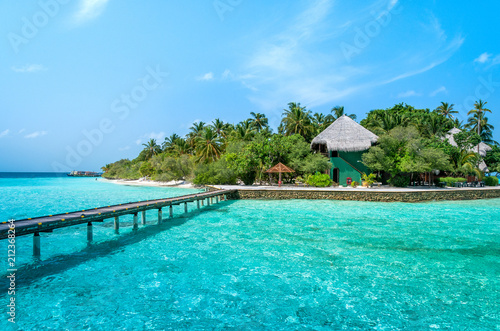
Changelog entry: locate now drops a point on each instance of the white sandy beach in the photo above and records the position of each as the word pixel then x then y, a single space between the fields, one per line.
pixel 147 182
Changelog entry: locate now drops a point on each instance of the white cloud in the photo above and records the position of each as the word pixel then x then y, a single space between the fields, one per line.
pixel 4 133
pixel 438 30
pixel 89 9
pixel 21 131
pixel 227 74
pixel 124 148
pixel 35 134
pixel 483 58
pixel 158 136
pixel 407 94
pixel 29 68
pixel 207 76
pixel 437 91
pixel 289 66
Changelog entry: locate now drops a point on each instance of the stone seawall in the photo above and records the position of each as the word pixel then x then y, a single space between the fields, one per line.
pixel 378 196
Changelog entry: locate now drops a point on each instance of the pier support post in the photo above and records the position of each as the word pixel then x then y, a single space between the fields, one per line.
pixel 171 211
pixel 217 199
pixel 198 204
pixel 208 201
pixel 117 225
pixel 223 197
pixel 36 245
pixel 143 221
pixel 160 216
pixel 136 224
pixel 185 207
pixel 90 233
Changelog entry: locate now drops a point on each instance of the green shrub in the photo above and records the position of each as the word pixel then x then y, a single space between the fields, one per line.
pixel 248 177
pixel 215 173
pixel 450 181
pixel 491 181
pixel 354 183
pixel 319 180
pixel 146 169
pixel 400 181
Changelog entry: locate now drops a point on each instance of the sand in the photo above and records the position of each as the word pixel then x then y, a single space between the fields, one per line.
pixel 147 182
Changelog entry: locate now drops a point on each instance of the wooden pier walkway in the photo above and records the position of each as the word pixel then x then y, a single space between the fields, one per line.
pixel 48 223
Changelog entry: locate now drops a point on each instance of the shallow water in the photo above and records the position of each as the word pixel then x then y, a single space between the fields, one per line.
pixel 295 264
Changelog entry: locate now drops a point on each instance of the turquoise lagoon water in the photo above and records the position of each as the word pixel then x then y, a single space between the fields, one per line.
pixel 278 265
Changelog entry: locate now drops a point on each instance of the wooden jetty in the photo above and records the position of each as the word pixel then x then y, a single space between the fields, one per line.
pixel 48 223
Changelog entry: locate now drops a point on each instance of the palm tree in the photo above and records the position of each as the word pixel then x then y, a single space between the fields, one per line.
pixel 338 111
pixel 244 130
pixel 478 111
pixel 485 127
pixel 446 110
pixel 169 143
pixel 259 121
pixel 458 124
pixel 297 120
pixel 383 121
pixel 151 148
pixel 196 130
pixel 182 147
pixel 219 127
pixel 432 125
pixel 466 163
pixel 208 146
pixel 321 121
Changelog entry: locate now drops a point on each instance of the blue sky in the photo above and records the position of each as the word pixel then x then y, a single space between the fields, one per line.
pixel 85 83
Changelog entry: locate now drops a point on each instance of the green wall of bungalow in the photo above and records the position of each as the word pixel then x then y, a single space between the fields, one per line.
pixel 345 165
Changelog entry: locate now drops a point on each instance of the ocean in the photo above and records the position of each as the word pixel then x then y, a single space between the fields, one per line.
pixel 275 265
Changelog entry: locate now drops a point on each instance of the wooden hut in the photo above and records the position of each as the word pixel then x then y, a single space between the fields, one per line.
pixel 343 142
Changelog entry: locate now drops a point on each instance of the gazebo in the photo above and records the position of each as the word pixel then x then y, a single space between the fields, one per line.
pixel 280 167
pixel 343 142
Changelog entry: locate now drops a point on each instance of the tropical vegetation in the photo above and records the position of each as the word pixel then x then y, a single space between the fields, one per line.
pixel 411 142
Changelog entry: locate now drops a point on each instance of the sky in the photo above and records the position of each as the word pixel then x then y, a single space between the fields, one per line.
pixel 85 83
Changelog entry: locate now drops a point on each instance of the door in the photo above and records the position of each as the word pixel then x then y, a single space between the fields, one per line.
pixel 336 174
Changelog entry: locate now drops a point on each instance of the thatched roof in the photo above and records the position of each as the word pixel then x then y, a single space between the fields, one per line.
pixel 345 135
pixel 483 148
pixel 280 167
pixel 450 134
pixel 483 167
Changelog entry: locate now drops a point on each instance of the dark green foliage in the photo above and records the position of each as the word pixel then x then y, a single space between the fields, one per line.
pixel 215 173
pixel 490 181
pixel 403 150
pixel 248 177
pixel 450 181
pixel 146 169
pixel 124 168
pixel 466 139
pixel 428 123
pixel 492 159
pixel 264 152
pixel 172 168
pixel 400 181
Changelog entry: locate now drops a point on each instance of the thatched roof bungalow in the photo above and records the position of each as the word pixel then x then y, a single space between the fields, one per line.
pixel 343 142
pixel 483 148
